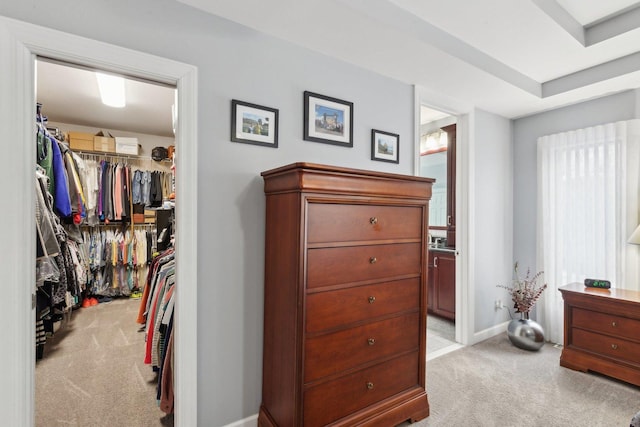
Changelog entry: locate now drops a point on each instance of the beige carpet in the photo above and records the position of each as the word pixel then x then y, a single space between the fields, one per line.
pixel 93 375
pixel 496 384
pixel 93 372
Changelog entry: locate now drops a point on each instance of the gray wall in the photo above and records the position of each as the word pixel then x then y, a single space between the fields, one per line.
pixel 526 131
pixel 490 213
pixel 235 62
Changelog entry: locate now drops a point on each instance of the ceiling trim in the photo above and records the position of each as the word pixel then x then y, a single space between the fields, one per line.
pixel 563 18
pixel 612 26
pixel 608 70
pixel 603 29
pixel 391 14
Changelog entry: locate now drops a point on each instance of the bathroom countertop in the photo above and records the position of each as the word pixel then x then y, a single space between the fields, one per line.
pixel 442 249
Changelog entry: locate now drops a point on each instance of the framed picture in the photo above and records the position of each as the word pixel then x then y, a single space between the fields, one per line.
pixel 385 146
pixel 328 120
pixel 254 124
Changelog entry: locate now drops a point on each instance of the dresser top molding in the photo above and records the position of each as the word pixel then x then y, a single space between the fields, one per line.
pixel 312 177
pixel 613 293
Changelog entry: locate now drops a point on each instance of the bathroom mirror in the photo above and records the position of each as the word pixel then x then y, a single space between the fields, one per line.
pixel 434 165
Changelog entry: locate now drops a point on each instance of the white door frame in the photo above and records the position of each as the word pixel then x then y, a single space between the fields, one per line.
pixel 20 43
pixel 464 116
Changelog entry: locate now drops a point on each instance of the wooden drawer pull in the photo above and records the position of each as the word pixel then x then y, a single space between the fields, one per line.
pixel 370 385
pixel 373 220
pixel 372 299
pixel 373 260
pixel 614 346
pixel 371 341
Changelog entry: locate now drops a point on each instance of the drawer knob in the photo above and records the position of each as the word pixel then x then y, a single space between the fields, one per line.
pixel 371 341
pixel 373 220
pixel 614 324
pixel 373 260
pixel 614 346
pixel 372 299
pixel 370 385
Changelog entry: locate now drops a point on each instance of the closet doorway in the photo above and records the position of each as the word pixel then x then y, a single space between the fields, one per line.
pixel 117 143
pixel 21 44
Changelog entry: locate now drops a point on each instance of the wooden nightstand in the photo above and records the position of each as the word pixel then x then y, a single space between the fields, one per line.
pixel 602 331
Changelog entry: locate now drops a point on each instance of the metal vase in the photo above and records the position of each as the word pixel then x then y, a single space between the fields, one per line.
pixel 525 333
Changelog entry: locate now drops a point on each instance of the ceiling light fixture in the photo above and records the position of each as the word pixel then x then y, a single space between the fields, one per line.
pixel 111 90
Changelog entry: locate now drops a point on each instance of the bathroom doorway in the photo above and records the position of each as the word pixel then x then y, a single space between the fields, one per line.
pixel 437 159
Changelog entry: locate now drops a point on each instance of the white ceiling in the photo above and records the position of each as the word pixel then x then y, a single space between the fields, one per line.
pixel 70 95
pixel 509 57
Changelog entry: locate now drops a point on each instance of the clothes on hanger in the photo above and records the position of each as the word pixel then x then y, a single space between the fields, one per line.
pixel 156 313
pixel 117 260
pixel 61 266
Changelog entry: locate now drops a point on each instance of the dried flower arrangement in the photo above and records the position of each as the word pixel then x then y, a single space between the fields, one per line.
pixel 525 292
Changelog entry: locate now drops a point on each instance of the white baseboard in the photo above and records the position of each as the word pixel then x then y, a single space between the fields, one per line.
pixel 489 332
pixel 251 421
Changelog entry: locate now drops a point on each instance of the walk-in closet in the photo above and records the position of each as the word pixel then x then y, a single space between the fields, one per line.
pixel 105 261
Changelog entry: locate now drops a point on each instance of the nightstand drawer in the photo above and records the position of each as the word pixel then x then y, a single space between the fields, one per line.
pixel 343 223
pixel 332 266
pixel 606 323
pixel 327 310
pixel 607 346
pixel 332 353
pixel 331 401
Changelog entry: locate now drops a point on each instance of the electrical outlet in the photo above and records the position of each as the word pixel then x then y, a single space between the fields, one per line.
pixel 498 304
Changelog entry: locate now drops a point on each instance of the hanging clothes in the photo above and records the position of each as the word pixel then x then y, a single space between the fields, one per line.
pixel 62 201
pixel 60 265
pixel 44 150
pixel 117 260
pixel 47 244
pixel 74 186
pixel 89 177
pixel 156 312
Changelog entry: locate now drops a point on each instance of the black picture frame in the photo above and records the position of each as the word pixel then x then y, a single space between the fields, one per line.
pixel 385 146
pixel 328 120
pixel 248 124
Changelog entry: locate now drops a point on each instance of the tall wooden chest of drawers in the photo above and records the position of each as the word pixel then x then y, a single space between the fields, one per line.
pixel 345 297
pixel 602 331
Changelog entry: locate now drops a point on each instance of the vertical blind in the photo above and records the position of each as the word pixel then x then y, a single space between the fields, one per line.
pixel 588 185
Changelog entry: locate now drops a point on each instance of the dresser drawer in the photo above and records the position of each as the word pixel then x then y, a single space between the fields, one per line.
pixel 331 401
pixel 344 223
pixel 326 310
pixel 331 266
pixel 606 323
pixel 606 345
pixel 332 353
